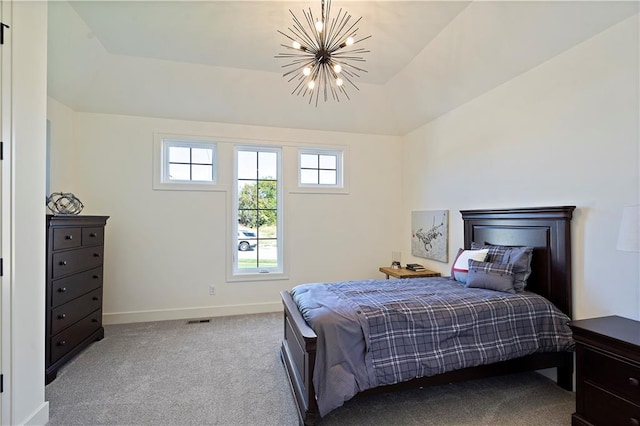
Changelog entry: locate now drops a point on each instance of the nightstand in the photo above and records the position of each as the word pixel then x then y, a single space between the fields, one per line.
pixel 607 371
pixel 406 273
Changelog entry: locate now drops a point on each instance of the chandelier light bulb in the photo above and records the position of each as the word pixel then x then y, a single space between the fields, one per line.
pixel 296 45
pixel 319 26
pixel 349 41
pixel 339 81
pixel 311 85
pixel 337 68
pixel 306 71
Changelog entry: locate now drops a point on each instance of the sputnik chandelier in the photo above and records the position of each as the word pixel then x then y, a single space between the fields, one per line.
pixel 322 55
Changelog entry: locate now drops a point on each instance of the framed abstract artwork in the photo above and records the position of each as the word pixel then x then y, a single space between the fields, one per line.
pixel 430 234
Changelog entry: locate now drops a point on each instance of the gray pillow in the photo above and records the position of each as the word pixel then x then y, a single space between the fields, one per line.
pixel 491 276
pixel 520 257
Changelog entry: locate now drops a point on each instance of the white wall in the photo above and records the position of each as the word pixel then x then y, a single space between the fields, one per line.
pixel 563 133
pixel 26 269
pixel 164 248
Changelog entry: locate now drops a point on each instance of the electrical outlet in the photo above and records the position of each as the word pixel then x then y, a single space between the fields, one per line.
pixel 212 290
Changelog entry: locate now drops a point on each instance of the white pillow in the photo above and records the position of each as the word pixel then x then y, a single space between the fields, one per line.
pixel 460 267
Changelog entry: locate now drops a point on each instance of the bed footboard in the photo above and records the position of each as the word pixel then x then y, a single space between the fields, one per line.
pixel 298 355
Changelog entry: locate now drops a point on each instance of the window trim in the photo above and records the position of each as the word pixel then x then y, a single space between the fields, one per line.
pixel 161 144
pixel 342 188
pixel 318 151
pixel 255 274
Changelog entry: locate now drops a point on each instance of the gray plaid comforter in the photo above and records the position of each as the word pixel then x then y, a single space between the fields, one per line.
pixel 381 332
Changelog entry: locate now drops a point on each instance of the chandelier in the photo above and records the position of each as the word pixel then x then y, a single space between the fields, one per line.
pixel 322 54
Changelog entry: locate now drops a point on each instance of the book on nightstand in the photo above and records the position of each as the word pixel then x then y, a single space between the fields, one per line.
pixel 415 267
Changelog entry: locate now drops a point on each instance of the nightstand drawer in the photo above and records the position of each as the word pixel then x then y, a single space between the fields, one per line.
pixel 603 408
pixel 66 238
pixel 66 289
pixel 616 376
pixel 66 315
pixel 72 261
pixel 74 335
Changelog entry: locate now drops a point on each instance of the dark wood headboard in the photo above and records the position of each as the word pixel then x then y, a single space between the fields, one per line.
pixel 546 229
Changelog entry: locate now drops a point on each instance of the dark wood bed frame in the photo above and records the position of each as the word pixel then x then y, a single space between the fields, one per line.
pixel 547 229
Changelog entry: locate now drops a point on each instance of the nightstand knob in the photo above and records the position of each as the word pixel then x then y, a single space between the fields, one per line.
pixel 62 289
pixel 69 237
pixel 634 382
pixel 634 422
pixel 62 343
pixel 63 263
pixel 96 254
pixel 62 316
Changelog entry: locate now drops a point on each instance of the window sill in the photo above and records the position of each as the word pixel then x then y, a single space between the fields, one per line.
pixel 249 277
pixel 158 186
pixel 314 190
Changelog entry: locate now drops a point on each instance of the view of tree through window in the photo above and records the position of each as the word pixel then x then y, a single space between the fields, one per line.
pixel 257 210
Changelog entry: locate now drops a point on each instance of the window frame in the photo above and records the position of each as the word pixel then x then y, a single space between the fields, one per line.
pixel 249 274
pixel 161 180
pixel 338 153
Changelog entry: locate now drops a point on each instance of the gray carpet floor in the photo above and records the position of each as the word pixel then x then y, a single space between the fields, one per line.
pixel 228 372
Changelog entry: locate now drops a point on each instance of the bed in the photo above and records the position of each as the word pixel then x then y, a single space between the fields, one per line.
pixel 546 229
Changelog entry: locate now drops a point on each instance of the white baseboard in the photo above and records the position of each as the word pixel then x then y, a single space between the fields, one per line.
pixel 39 417
pixel 189 313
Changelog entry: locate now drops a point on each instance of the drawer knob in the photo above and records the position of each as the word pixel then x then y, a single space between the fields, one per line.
pixel 96 254
pixel 63 263
pixel 62 289
pixel 633 382
pixel 634 422
pixel 95 277
pixel 94 319
pixel 62 343
pixel 93 235
pixel 96 298
pixel 62 316
pixel 69 237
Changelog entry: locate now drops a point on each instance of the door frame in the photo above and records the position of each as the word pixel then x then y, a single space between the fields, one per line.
pixel 5 216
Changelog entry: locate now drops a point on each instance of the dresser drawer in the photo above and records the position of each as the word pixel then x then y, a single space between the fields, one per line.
pixel 92 236
pixel 604 408
pixel 66 289
pixel 616 376
pixel 72 261
pixel 66 315
pixel 67 340
pixel 67 238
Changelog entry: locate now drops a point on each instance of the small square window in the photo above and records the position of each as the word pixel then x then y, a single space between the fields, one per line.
pixel 320 168
pixel 184 164
pixel 188 161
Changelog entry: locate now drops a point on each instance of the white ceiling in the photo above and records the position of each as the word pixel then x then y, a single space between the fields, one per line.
pixel 214 60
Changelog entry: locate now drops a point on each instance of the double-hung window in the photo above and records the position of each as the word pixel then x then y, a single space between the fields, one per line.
pixel 258 211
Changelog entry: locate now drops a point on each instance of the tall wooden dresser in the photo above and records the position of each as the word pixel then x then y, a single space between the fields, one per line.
pixel 75 250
